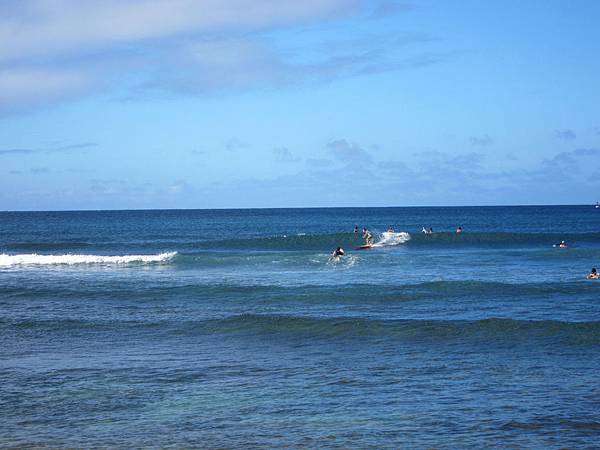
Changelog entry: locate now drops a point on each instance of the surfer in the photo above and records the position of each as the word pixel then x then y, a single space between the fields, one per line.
pixel 424 230
pixel 356 229
pixel 390 230
pixel 367 236
pixel 459 230
pixel 561 244
pixel 337 254
pixel 593 274
pixel 430 231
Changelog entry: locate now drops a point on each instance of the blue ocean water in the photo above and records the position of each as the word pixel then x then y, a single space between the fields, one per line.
pixel 234 329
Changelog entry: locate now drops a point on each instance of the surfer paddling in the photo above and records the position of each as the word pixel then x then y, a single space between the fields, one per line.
pixel 593 274
pixel 561 244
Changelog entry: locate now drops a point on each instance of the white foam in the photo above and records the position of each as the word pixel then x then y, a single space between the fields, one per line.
pixel 34 259
pixel 390 238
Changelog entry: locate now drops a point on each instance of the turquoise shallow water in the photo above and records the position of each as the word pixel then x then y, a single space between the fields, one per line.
pixel 232 329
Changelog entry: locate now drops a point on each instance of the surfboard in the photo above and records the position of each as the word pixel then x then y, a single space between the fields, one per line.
pixel 364 247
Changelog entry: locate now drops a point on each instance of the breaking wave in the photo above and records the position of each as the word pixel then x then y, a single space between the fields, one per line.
pixel 391 238
pixel 34 259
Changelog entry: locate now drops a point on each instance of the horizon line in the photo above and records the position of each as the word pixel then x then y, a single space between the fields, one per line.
pixel 284 207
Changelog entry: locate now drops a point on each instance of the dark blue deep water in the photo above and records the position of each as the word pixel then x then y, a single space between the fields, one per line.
pixel 232 329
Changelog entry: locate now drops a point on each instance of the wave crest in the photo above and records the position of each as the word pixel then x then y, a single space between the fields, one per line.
pixel 34 259
pixel 389 238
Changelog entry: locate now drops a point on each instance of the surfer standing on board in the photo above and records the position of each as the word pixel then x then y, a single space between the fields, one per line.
pixel 367 236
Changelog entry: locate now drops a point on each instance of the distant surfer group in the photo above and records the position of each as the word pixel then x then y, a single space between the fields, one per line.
pixel 366 235
pixel 593 275
pixel 368 238
pixel 429 230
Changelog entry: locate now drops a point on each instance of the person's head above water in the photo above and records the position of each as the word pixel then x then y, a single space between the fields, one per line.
pixel 338 252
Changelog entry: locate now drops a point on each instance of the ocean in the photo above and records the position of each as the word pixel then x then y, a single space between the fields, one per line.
pixel 234 329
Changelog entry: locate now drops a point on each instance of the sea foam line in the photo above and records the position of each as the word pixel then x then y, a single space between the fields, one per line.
pixel 68 259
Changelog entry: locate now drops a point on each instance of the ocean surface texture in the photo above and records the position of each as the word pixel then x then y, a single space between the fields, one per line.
pixel 234 329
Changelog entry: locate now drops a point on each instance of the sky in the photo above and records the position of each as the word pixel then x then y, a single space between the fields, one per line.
pixel 127 104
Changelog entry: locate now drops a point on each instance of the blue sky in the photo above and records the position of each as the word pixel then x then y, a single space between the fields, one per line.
pixel 260 103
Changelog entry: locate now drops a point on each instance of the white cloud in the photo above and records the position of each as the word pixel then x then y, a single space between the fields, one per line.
pixel 34 86
pixel 349 153
pixel 51 50
pixel 42 27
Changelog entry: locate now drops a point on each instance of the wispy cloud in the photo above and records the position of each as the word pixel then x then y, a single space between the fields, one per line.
pixel 481 141
pixel 24 86
pixel 385 8
pixel 565 135
pixel 58 50
pixel 42 28
pixel 349 153
pixel 39 170
pixel 56 149
pixel 284 155
pixel 17 151
pixel 234 144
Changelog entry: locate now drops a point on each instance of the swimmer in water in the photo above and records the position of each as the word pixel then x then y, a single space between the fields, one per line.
pixel 337 254
pixel 561 244
pixel 593 274
pixel 356 229
pixel 430 231
pixel 459 230
pixel 390 230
